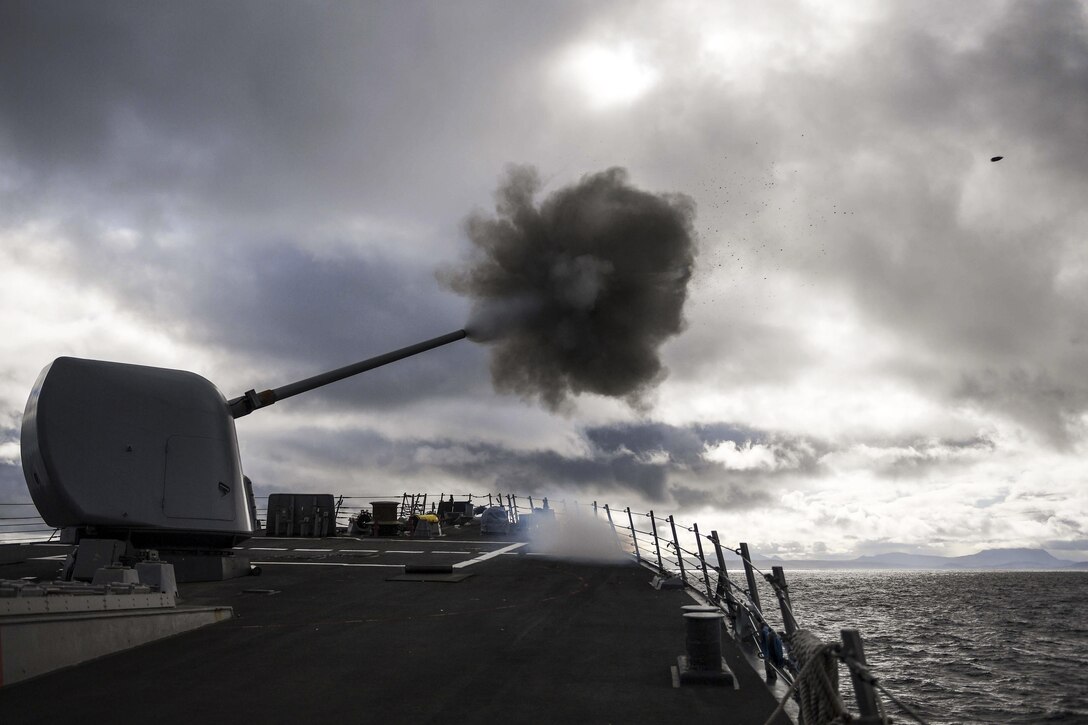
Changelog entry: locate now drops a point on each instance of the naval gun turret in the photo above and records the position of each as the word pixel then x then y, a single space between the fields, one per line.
pixel 149 456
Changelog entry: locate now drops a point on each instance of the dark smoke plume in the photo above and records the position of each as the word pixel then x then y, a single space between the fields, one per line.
pixel 577 294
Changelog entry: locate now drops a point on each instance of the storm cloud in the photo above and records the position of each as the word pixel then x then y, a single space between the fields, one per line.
pixel 649 462
pixel 882 338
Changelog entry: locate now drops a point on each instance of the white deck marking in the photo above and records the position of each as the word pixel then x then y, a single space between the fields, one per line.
pixel 490 542
pixel 463 553
pixel 402 551
pixel 268 548
pixel 488 555
pixel 290 538
pixel 323 563
pixel 58 557
pixel 311 549
pixel 359 551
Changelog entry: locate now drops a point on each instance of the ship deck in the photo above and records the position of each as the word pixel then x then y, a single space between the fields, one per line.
pixel 327 633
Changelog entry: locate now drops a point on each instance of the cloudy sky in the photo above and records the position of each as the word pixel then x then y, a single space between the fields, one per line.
pixel 886 340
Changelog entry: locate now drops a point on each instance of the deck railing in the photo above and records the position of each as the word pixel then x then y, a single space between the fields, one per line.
pixel 20 523
pixel 682 555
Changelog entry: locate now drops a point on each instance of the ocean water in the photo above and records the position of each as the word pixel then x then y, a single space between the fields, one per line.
pixel 961 647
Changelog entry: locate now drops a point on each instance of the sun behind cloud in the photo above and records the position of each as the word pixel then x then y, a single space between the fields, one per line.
pixel 607 75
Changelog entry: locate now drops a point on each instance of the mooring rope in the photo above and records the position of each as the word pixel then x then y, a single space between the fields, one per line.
pixel 817 681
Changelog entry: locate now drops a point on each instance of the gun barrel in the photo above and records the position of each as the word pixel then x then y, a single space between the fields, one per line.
pixel 252 400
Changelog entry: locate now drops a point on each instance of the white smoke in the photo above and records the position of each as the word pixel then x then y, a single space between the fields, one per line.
pixel 579 537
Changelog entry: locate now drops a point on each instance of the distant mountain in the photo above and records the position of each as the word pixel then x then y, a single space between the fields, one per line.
pixel 906 561
pixel 986 559
pixel 1009 559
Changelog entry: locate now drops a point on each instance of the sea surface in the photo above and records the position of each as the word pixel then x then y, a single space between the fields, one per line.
pixel 961 647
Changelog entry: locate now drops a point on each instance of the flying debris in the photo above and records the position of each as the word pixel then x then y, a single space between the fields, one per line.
pixel 996 158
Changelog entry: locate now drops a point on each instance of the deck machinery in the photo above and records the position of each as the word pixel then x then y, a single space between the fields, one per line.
pixel 127 458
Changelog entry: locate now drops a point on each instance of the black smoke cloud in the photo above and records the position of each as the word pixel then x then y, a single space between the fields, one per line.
pixel 577 294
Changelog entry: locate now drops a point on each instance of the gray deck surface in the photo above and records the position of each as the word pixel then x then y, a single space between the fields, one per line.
pixel 525 639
